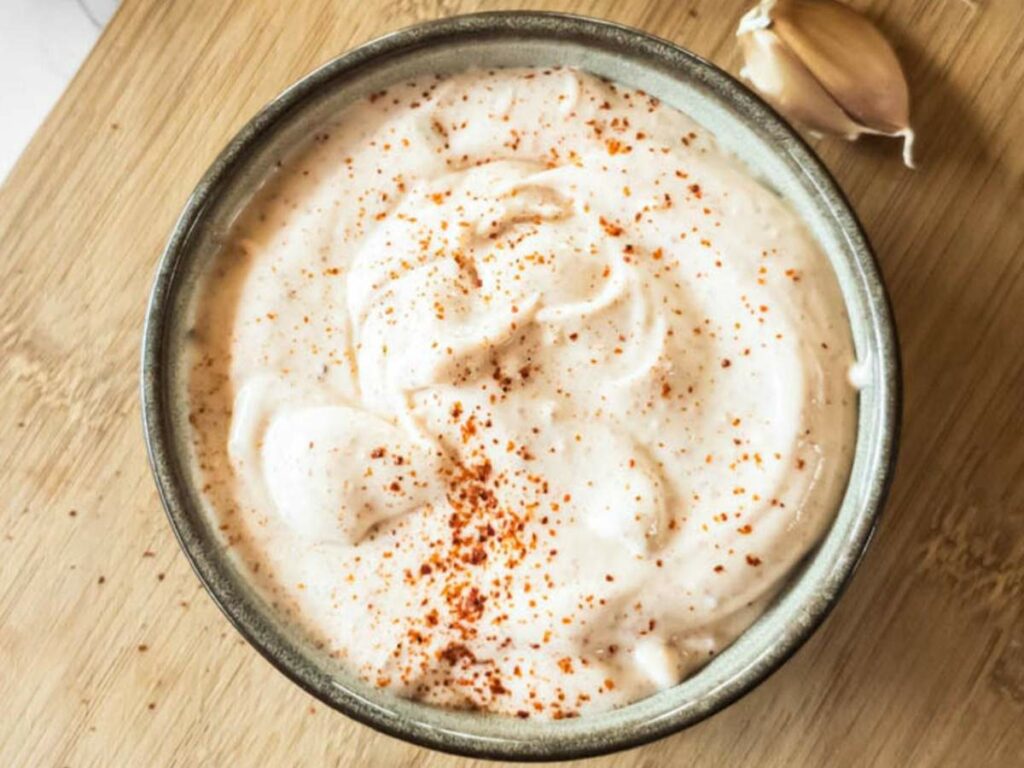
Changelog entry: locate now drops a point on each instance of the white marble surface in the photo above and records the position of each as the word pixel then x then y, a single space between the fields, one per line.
pixel 42 45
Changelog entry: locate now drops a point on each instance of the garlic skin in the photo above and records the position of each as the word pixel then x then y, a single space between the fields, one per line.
pixel 828 68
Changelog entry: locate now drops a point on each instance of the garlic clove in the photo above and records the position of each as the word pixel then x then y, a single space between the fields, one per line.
pixel 850 58
pixel 840 54
pixel 790 87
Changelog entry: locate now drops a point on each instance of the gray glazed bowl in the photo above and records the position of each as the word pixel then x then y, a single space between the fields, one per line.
pixel 745 126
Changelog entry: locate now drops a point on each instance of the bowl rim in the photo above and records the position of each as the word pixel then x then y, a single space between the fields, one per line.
pixel 155 391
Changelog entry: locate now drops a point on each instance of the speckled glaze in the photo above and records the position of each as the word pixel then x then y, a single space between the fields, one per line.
pixel 744 125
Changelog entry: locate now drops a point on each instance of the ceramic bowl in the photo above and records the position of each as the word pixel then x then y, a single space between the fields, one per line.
pixel 744 125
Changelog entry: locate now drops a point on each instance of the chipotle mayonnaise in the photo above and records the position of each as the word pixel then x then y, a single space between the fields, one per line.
pixel 518 394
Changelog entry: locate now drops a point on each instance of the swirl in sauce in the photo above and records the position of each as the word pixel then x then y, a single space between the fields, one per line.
pixel 520 395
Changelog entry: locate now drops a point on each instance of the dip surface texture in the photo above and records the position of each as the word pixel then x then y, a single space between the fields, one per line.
pixel 518 394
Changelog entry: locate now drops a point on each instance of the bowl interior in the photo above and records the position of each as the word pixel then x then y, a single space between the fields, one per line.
pixel 744 126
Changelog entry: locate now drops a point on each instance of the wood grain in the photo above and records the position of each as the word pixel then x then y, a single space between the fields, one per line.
pixel 111 654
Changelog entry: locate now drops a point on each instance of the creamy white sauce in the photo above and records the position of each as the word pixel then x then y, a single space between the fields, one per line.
pixel 519 394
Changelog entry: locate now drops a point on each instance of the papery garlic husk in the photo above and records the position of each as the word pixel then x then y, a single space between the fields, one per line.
pixel 828 68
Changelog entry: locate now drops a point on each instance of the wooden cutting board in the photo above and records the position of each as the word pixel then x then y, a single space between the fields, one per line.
pixel 110 652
